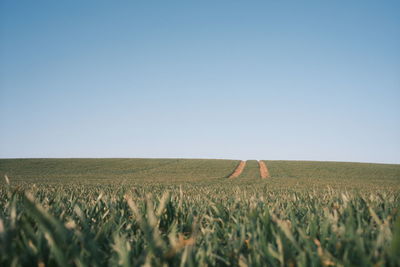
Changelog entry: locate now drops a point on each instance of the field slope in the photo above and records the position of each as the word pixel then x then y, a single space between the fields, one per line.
pixel 115 170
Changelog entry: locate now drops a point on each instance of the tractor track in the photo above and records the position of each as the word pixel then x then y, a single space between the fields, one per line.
pixel 239 169
pixel 264 173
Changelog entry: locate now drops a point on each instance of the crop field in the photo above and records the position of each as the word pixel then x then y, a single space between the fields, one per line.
pixel 182 212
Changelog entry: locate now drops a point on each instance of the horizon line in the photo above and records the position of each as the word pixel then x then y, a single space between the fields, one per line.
pixel 299 160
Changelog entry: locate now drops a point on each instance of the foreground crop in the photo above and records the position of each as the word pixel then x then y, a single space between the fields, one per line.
pixel 196 225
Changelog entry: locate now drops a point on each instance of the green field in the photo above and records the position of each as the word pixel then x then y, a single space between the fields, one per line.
pixel 154 212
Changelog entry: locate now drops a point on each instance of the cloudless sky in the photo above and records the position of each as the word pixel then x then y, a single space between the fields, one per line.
pixel 305 80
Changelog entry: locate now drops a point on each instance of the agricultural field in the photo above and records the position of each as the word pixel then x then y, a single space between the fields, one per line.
pixel 183 212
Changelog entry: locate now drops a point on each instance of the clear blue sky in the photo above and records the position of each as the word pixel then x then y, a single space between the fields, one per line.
pixel 306 80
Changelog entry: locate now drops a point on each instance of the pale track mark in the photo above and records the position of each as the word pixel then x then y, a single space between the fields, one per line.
pixel 239 169
pixel 264 173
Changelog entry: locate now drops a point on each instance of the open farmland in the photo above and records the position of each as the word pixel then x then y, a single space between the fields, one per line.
pixel 132 212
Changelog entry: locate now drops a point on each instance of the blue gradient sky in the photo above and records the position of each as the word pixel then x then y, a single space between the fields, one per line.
pixel 306 80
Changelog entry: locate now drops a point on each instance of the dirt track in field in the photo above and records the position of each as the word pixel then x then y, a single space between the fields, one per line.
pixel 238 170
pixel 264 173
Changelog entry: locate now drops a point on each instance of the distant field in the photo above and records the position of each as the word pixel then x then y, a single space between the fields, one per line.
pixel 115 170
pixel 342 175
pixel 132 212
pixel 201 171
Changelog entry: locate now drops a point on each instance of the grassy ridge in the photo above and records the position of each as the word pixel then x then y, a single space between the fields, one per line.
pixel 184 212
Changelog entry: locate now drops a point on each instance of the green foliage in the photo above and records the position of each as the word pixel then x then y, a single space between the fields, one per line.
pixel 172 221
